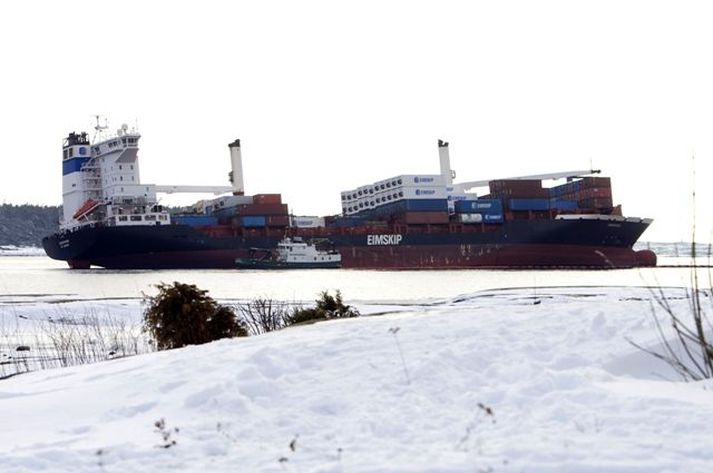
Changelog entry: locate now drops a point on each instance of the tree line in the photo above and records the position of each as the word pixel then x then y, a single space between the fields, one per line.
pixel 26 225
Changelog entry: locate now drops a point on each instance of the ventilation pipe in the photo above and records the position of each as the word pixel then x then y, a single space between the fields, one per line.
pixel 236 164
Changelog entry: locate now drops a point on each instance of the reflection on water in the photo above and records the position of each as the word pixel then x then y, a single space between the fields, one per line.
pixel 41 275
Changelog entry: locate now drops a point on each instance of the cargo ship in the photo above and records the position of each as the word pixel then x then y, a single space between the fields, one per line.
pixel 110 219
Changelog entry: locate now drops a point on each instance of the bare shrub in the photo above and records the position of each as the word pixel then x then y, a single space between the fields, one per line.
pixel 685 346
pixel 692 358
pixel 263 315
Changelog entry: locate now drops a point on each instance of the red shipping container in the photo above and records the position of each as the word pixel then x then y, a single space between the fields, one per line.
pixel 515 185
pixel 513 193
pixel 589 182
pixel 602 203
pixel 425 217
pixel 278 221
pixel 267 199
pixel 595 193
pixel 262 209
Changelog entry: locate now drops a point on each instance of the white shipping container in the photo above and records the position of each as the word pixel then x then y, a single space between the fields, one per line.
pixel 413 193
pixel 423 180
pixel 306 222
pixel 415 181
pixel 470 218
pixel 457 197
pixel 230 201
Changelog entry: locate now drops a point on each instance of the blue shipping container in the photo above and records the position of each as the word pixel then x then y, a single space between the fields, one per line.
pixel 557 191
pixel 491 206
pixel 563 204
pixel 411 205
pixel 224 213
pixel 195 220
pixel 348 221
pixel 425 205
pixel 253 221
pixel 493 218
pixel 401 206
pixel 529 204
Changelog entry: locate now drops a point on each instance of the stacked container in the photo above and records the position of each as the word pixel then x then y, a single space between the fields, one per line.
pixel 260 210
pixel 480 210
pixel 518 189
pixel 409 198
pixel 588 193
pixel 195 220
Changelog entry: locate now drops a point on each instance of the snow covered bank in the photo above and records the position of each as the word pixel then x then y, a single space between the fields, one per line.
pixel 491 382
pixel 11 250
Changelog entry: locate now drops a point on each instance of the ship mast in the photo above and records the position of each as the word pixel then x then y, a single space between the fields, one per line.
pixel 99 129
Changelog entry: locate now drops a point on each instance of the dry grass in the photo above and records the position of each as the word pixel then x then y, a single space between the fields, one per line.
pixel 63 339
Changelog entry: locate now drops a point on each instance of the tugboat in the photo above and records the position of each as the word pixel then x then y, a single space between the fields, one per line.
pixel 291 253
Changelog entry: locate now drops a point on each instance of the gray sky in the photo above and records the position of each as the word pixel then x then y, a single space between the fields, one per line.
pixel 326 96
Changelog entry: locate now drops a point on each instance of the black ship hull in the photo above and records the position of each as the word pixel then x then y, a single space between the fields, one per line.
pixel 557 243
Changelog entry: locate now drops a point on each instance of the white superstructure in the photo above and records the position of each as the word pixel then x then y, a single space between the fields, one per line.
pixel 101 183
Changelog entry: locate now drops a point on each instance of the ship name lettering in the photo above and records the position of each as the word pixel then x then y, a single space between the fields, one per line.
pixel 372 240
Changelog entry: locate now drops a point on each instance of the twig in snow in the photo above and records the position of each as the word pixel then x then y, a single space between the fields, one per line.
pixel 393 331
pixel 165 433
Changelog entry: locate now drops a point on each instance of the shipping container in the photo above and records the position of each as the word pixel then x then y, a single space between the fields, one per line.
pixel 306 222
pixel 267 199
pixel 559 204
pixel 424 217
pixel 409 193
pixel 263 209
pixel 493 218
pixel 253 221
pixel 396 207
pixel 348 221
pixel 229 201
pixel 602 203
pixel 414 205
pixel 589 182
pixel 480 206
pixel 521 193
pixel 529 204
pixel 195 220
pixel 407 180
pixel 278 220
pixel 594 193
pixel 514 184
pixel 568 188
pixel 470 218
pixel 425 205
pixel 458 196
pixel 224 213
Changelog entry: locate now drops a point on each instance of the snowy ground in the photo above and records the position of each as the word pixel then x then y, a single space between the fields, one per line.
pixel 488 382
pixel 11 250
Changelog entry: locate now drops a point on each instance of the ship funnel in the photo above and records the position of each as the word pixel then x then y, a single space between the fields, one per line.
pixel 236 164
pixel 445 158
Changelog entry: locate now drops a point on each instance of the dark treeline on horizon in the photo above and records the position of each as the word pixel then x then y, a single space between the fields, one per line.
pixel 26 225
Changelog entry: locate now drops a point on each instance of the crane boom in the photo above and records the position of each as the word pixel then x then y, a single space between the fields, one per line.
pixel 464 186
pixel 194 189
